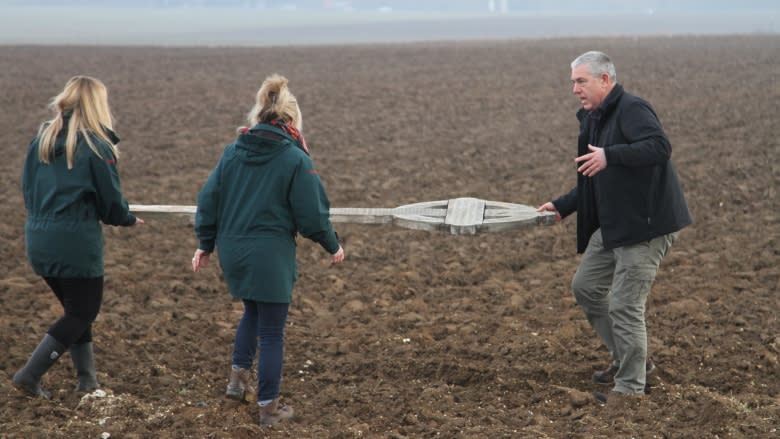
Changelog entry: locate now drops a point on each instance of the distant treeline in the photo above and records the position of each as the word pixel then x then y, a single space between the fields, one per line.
pixel 450 6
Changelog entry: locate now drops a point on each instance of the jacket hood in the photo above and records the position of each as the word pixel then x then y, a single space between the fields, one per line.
pixel 261 143
pixel 59 143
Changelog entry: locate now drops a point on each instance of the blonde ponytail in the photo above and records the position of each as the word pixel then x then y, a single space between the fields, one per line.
pixel 275 101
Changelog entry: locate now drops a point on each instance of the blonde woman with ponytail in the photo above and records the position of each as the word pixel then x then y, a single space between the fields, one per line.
pixel 71 185
pixel 262 193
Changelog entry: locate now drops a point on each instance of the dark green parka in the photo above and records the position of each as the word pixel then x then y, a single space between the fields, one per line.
pixel 263 191
pixel 63 235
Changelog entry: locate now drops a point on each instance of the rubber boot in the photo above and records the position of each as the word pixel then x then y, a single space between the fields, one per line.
pixel 83 357
pixel 274 412
pixel 28 378
pixel 240 383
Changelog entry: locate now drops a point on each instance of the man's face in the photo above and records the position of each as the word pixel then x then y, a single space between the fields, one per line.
pixel 591 90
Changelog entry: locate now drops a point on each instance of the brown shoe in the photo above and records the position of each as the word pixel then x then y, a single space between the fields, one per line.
pixel 240 384
pixel 607 376
pixel 274 412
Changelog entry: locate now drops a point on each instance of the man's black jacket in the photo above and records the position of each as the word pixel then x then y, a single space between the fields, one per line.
pixel 638 196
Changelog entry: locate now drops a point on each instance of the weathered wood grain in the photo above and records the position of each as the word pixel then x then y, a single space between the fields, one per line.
pixel 464 215
pixel 457 216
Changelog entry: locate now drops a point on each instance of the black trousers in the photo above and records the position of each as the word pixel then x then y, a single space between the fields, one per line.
pixel 81 299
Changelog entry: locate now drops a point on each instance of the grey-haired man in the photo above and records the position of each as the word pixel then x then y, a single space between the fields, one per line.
pixel 629 206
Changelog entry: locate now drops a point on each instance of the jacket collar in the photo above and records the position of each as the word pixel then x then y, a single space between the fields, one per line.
pixel 258 130
pixel 611 100
pixel 607 105
pixel 111 135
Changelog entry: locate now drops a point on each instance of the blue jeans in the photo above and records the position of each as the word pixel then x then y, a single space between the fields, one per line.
pixel 263 321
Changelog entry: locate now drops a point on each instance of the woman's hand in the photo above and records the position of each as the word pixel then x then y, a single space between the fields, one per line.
pixel 201 259
pixel 338 257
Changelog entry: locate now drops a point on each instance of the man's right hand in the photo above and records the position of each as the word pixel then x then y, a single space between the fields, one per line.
pixel 550 207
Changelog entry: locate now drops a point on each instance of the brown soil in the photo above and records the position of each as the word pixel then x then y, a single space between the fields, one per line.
pixel 417 334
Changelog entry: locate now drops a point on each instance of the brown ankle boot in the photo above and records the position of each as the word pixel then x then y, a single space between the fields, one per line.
pixel 240 384
pixel 274 412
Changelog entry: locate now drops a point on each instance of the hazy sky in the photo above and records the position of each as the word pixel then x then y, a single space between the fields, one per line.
pixel 425 5
pixel 262 23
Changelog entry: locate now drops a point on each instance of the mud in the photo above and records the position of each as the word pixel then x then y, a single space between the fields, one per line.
pixel 417 334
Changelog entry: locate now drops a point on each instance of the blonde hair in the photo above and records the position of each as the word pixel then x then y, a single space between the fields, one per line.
pixel 274 101
pixel 86 99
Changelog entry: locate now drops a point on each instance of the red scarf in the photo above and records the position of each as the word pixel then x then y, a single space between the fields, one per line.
pixel 291 130
pixel 287 128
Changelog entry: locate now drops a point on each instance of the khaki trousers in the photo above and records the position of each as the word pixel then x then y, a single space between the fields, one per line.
pixel 612 286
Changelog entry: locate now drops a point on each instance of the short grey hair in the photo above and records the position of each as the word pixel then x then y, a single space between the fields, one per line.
pixel 599 63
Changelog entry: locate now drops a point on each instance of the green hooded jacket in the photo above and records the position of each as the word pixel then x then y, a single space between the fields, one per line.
pixel 263 191
pixel 63 235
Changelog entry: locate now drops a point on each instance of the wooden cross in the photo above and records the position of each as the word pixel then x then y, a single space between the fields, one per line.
pixel 458 216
